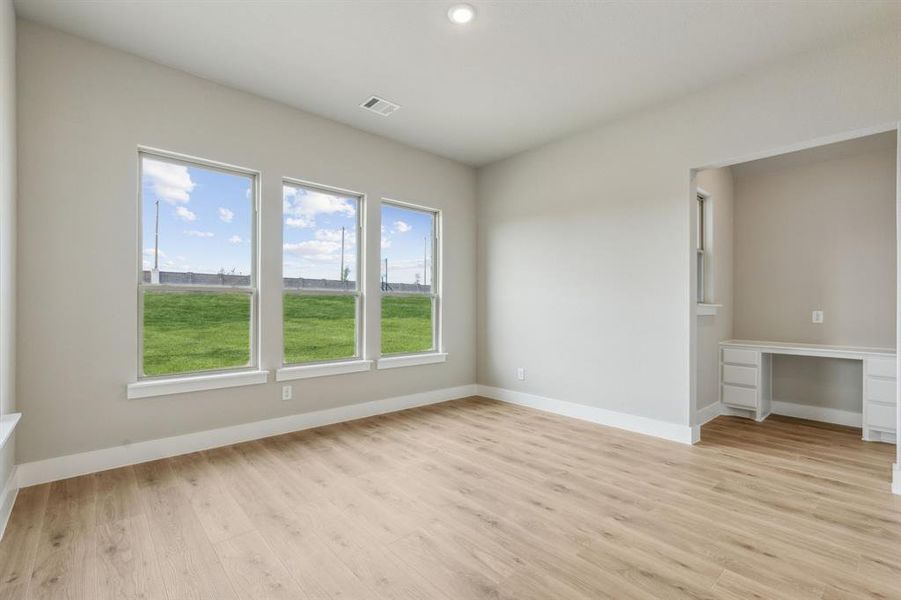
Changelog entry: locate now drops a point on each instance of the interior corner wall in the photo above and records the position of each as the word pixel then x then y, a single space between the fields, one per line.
pixel 818 236
pixel 585 246
pixel 83 111
pixel 7 229
pixel 713 329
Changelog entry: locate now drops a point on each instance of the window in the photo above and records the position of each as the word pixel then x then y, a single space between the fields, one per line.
pixel 321 255
pixel 197 289
pixel 410 284
pixel 702 248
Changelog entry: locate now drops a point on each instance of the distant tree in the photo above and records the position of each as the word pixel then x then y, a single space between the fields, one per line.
pixel 346 274
pixel 417 279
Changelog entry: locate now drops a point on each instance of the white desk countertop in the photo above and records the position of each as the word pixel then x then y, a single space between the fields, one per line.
pixel 854 352
pixel 825 350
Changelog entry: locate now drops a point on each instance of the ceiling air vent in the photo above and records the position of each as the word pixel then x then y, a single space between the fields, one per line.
pixel 380 106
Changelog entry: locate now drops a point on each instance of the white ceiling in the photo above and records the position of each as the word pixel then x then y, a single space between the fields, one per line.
pixel 523 73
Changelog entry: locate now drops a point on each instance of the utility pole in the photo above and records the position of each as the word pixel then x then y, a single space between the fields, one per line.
pixel 155 274
pixel 425 246
pixel 341 274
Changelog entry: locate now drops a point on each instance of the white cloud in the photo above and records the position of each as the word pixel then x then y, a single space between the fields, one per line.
pixel 300 223
pixel 200 234
pixel 147 257
pixel 314 249
pixel 301 206
pixel 402 227
pixel 149 252
pixel 226 215
pixel 386 243
pixel 170 182
pixel 334 235
pixel 184 214
pixel 235 239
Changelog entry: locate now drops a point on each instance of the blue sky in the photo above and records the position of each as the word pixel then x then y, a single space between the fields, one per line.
pixel 405 234
pixel 313 222
pixel 206 224
pixel 205 218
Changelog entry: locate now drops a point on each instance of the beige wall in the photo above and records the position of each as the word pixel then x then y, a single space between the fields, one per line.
pixel 818 233
pixel 7 227
pixel 84 109
pixel 712 329
pixel 602 220
pixel 817 236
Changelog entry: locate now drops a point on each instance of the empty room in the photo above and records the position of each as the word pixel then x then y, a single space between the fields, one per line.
pixel 389 299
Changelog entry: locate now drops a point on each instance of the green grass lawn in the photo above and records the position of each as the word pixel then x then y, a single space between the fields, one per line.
pixel 193 331
pixel 406 324
pixel 319 327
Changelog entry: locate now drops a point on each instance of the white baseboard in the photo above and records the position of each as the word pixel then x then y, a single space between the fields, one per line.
pixel 645 425
pixel 62 467
pixel 7 499
pixel 817 413
pixel 708 413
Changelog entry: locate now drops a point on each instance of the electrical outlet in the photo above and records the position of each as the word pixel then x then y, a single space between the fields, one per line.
pixel 520 373
pixel 817 316
pixel 287 392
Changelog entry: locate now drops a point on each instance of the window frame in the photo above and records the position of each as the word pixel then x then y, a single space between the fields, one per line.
pixel 252 290
pixel 705 254
pixel 358 361
pixel 702 249
pixel 436 271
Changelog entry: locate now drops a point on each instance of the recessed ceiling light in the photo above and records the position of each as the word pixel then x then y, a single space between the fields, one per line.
pixel 461 14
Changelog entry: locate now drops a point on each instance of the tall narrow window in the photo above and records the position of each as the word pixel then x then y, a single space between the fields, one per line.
pixel 197 290
pixel 409 279
pixel 702 248
pixel 321 258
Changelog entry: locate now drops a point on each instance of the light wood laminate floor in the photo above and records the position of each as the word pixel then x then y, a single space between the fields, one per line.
pixel 474 499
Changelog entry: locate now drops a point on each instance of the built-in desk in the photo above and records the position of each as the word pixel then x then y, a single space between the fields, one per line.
pixel 746 386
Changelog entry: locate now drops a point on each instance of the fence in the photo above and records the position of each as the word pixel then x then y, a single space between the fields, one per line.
pixel 291 283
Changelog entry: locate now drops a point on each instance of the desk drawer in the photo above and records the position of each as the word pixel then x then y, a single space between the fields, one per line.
pixel 740 397
pixel 881 416
pixel 881 390
pixel 741 357
pixel 740 375
pixel 881 367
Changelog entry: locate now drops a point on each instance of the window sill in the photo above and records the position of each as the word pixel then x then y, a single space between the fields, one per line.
pixel 322 369
pixel 7 426
pixel 706 310
pixel 194 383
pixel 411 360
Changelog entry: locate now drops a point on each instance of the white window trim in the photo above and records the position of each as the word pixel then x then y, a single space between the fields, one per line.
pixel 437 353
pixel 394 361
pixel 166 386
pixel 289 371
pixel 8 424
pixel 705 310
pixel 707 304
pixel 324 369
pixel 187 381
